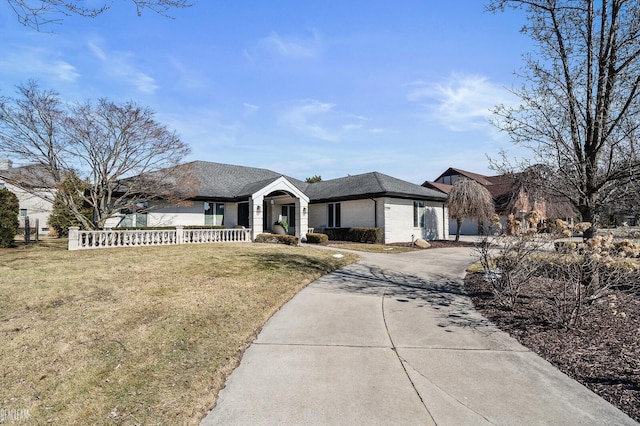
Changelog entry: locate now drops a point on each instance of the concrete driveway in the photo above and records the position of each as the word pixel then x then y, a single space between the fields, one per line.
pixel 394 340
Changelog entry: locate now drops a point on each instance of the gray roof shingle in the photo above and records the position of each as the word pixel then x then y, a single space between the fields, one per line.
pixel 226 181
pixel 369 185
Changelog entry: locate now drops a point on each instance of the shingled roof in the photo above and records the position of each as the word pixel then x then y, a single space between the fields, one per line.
pixel 481 179
pixel 229 182
pixel 30 176
pixel 368 185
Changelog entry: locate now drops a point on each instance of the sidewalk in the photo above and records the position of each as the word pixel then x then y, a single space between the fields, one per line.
pixel 394 340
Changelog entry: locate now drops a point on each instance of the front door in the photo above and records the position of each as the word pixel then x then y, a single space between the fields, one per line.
pixel 289 214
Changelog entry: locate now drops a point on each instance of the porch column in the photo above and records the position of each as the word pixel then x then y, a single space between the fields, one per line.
pixel 302 217
pixel 256 214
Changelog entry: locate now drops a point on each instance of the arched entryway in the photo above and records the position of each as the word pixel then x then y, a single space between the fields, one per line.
pixel 278 201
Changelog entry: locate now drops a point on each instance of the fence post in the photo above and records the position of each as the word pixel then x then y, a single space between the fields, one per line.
pixel 27 230
pixel 179 234
pixel 73 237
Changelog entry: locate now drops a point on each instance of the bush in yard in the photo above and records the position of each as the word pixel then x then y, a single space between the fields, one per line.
pixel 509 262
pixel 314 238
pixel 277 239
pixel 336 234
pixel 365 235
pixel 9 224
pixel 576 275
pixel 357 235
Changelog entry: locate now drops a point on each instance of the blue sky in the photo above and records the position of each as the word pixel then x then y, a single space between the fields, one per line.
pixel 302 88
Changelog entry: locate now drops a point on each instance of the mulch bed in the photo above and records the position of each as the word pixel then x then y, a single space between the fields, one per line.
pixel 603 352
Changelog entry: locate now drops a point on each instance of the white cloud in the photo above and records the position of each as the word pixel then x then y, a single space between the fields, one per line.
pixel 37 62
pixel 120 65
pixel 291 46
pixel 249 109
pixel 461 102
pixel 65 71
pixel 321 120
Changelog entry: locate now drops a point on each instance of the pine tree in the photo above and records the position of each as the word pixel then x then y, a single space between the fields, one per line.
pixel 62 217
pixel 9 224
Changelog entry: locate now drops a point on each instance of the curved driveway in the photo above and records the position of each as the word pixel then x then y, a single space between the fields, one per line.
pixel 394 340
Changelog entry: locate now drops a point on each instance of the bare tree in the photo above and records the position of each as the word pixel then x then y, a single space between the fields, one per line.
pixel 469 199
pixel 120 151
pixel 37 13
pixel 580 99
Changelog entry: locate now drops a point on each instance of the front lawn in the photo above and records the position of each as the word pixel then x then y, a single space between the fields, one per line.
pixel 137 335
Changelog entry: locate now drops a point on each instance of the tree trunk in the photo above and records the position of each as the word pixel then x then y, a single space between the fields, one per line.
pixel 459 222
pixel 588 215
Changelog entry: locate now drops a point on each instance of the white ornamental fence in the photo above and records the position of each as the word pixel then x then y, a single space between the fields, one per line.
pixel 82 240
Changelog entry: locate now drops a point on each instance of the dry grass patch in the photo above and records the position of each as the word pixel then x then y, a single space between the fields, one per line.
pixel 372 248
pixel 137 336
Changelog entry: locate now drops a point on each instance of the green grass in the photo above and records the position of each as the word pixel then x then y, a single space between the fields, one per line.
pixel 137 335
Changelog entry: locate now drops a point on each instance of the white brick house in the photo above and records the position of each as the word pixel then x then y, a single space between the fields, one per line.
pixel 233 196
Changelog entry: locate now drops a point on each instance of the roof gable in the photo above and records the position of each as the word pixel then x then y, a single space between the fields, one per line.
pixel 451 171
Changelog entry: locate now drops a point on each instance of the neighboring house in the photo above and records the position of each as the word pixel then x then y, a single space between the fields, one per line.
pixel 508 197
pixel 234 196
pixel 34 202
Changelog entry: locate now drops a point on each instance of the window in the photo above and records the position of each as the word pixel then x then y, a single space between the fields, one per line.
pixel 289 214
pixel 214 213
pixel 418 214
pixel 449 179
pixel 333 215
pixel 141 215
pixel 23 212
pixel 126 222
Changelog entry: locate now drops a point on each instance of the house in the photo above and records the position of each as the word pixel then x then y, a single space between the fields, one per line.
pixel 234 196
pixel 509 197
pixel 404 211
pixel 35 202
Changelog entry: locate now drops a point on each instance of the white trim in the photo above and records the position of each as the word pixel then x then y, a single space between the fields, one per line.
pixel 280 184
